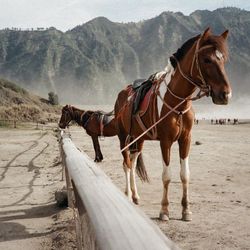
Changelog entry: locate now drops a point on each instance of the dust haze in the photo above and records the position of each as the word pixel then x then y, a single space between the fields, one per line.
pixel 104 90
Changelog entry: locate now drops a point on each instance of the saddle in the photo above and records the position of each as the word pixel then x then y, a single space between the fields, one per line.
pixel 137 83
pixel 141 88
pixel 104 118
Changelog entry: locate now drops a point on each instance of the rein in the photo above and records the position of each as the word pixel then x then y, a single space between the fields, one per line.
pixel 205 88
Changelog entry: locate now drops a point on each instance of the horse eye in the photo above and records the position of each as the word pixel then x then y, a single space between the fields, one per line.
pixel 207 61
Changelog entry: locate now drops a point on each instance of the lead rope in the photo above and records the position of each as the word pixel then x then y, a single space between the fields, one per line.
pixel 198 96
pixel 146 131
pixel 205 88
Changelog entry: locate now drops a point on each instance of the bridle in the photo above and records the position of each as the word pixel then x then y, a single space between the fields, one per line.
pixel 67 112
pixel 70 112
pixel 204 87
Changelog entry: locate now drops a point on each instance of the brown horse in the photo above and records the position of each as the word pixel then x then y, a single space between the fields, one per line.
pixel 168 116
pixel 96 123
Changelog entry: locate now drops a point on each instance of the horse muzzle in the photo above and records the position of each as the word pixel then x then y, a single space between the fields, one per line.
pixel 222 98
pixel 61 125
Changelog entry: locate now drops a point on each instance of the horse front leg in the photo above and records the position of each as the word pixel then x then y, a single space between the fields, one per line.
pixel 127 171
pixel 133 159
pixel 166 178
pixel 126 167
pixel 184 146
pixel 98 153
pixel 136 162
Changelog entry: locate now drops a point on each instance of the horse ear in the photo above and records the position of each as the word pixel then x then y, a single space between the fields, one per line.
pixel 225 34
pixel 206 34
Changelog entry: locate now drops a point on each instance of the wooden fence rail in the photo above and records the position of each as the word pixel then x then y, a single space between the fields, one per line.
pixel 106 220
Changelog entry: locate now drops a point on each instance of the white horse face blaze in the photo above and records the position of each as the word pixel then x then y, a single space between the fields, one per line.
pixel 219 55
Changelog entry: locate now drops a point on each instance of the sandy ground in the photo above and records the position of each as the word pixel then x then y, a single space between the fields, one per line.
pixel 219 189
pixel 30 173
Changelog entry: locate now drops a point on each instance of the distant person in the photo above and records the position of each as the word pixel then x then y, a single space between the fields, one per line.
pixel 236 121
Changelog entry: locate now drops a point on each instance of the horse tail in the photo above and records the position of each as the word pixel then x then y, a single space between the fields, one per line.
pixel 141 170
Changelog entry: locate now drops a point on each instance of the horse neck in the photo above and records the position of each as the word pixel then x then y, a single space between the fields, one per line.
pixel 77 115
pixel 180 86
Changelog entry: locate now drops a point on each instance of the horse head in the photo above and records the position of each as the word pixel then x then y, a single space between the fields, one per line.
pixel 66 116
pixel 212 54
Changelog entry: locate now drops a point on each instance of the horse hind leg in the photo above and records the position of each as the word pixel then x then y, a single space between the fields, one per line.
pixel 98 153
pixel 137 165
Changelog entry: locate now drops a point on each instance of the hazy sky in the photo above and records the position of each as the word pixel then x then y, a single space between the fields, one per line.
pixel 66 14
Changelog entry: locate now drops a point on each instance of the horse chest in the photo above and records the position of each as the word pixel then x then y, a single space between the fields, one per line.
pixel 172 127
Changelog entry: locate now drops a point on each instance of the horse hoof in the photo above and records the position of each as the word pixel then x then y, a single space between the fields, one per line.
pixel 136 201
pixel 187 216
pixel 163 217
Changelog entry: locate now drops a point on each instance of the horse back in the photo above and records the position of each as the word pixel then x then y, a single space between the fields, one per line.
pixel 123 107
pixel 127 119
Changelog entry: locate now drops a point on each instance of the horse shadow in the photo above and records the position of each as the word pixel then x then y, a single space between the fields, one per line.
pixel 8 165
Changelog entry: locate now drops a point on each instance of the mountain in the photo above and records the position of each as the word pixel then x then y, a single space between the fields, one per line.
pixel 93 61
pixel 17 103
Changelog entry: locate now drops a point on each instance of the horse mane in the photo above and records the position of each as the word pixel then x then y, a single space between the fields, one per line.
pixel 216 41
pixel 181 52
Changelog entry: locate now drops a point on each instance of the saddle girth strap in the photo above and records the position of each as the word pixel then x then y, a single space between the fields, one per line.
pixel 180 123
pixel 152 135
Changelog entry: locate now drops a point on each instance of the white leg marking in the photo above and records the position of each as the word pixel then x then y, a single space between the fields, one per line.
pixel 166 173
pixel 166 178
pixel 127 176
pixel 185 173
pixel 133 159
